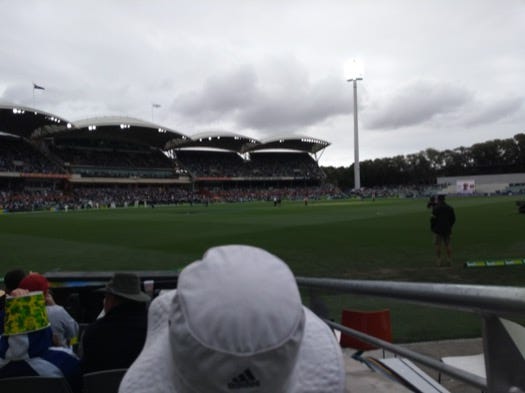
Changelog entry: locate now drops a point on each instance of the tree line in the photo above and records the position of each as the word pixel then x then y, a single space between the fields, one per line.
pixel 491 157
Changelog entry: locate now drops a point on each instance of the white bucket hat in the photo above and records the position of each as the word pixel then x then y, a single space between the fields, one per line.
pixel 236 324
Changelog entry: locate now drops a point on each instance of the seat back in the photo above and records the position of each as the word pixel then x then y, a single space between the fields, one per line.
pixel 34 384
pixel 106 381
pixel 75 342
pixel 374 323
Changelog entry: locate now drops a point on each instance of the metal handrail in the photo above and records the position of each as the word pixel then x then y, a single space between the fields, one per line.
pixel 473 298
pixel 490 302
pixel 454 372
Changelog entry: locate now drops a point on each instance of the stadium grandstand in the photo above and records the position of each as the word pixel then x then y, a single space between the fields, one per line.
pixel 48 162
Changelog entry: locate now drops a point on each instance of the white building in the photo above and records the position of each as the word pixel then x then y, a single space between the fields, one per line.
pixel 482 184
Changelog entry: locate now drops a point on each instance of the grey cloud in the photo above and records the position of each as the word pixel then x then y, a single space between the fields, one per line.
pixel 13 92
pixel 491 112
pixel 282 100
pixel 418 103
pixel 220 96
pixel 288 109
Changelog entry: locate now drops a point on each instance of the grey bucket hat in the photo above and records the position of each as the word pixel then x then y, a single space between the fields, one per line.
pixel 126 285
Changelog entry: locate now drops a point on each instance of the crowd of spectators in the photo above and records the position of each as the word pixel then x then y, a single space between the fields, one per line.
pixel 106 158
pixel 86 197
pixel 211 164
pixel 27 200
pixel 97 197
pixel 123 196
pixel 16 155
pixel 284 165
pixel 36 334
pixel 89 197
pixel 111 158
pixel 513 189
pixel 409 191
pixel 112 196
pixel 117 159
pixel 162 341
pixel 269 194
pixel 259 165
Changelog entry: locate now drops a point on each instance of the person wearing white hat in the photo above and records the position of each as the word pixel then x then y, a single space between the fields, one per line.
pixel 236 324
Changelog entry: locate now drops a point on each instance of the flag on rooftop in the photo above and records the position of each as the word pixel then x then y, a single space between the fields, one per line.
pixel 38 87
pixel 156 105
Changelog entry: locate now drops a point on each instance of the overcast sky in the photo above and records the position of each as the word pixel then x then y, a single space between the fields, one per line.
pixel 437 73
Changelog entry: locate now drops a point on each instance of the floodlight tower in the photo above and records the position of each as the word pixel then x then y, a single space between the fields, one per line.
pixel 354 73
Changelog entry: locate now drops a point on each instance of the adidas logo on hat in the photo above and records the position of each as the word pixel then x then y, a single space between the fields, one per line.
pixel 244 380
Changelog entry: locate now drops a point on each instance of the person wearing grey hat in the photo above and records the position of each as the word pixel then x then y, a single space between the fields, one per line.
pixel 116 339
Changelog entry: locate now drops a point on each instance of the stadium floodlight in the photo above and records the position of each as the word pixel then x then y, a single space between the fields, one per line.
pixel 354 72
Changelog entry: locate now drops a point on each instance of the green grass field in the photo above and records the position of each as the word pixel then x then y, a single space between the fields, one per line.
pixel 386 239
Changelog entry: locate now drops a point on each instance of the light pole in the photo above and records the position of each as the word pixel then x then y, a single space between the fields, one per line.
pixel 354 73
